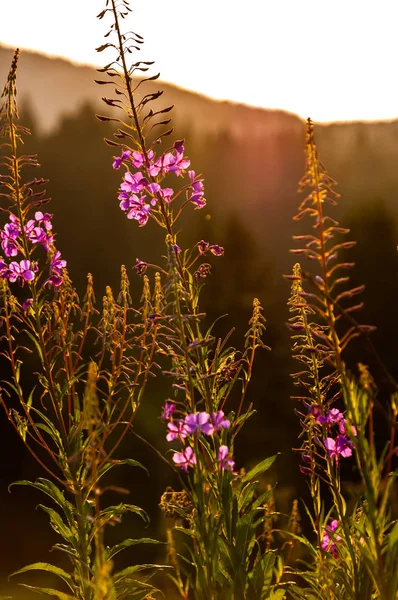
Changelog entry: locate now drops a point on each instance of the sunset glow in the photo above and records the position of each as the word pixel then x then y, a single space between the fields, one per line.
pixel 328 60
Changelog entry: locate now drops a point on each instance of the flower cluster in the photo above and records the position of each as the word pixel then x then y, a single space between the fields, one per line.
pixel 139 193
pixel 327 544
pixel 196 424
pixel 341 445
pixel 215 249
pixel 37 231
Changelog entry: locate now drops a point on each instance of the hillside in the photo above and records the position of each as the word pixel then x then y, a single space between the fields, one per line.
pixel 251 158
pixel 55 87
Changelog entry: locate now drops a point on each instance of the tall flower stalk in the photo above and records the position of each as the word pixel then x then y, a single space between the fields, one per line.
pixel 223 524
pixel 356 540
pixel 80 407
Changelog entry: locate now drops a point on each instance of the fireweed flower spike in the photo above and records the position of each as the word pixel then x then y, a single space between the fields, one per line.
pixel 217 250
pixel 197 191
pixel 185 459
pixel 169 162
pixel 35 232
pixel 225 462
pixel 9 237
pixel 27 304
pixel 57 263
pixel 177 431
pixel 327 544
pixel 219 422
pixel 133 189
pixel 332 416
pixel 140 267
pixel 39 232
pixel 118 160
pixel 22 271
pixel 133 183
pixel 138 159
pixel 138 209
pixel 166 194
pixel 342 446
pixel 168 411
pixel 197 422
pixel 203 246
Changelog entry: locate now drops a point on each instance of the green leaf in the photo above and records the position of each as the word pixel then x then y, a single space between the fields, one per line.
pixel 230 508
pixel 393 537
pixel 120 509
pixel 111 552
pixel 261 500
pixel 135 590
pixel 126 461
pixel 42 566
pixel 50 489
pixel 29 401
pixel 54 433
pixel 119 577
pixel 36 343
pixel 263 466
pixel 110 513
pixel 243 418
pixel 260 577
pixel 60 527
pixel 303 540
pixel 49 592
pixel 132 463
pixel 246 495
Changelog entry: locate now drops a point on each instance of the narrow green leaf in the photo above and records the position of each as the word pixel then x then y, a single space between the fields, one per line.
pixel 243 418
pixel 54 433
pixel 393 537
pixel 262 499
pixel 49 592
pixel 111 552
pixel 246 495
pixel 36 343
pixel 118 577
pixel 42 566
pixel 50 489
pixel 263 466
pixel 59 526
pixel 119 509
pixel 126 461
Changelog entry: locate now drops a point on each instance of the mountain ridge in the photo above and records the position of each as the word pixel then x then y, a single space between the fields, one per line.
pixel 40 75
pixel 251 158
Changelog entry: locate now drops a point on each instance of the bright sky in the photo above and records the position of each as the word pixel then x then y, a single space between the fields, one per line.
pixel 327 59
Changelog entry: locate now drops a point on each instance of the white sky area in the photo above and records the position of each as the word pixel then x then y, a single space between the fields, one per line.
pixel 328 59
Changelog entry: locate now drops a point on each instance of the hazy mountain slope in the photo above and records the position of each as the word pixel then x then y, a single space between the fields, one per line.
pixel 251 158
pixel 56 86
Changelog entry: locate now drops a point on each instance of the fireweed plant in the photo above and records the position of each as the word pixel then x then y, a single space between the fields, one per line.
pixel 219 517
pixel 355 554
pixel 223 544
pixel 78 410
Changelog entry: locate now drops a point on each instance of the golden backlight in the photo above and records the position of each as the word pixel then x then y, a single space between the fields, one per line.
pixel 329 59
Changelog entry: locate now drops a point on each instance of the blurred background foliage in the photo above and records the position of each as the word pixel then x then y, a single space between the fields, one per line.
pixel 251 160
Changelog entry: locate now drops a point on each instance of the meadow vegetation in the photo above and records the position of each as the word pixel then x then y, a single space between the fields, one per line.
pixel 76 375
